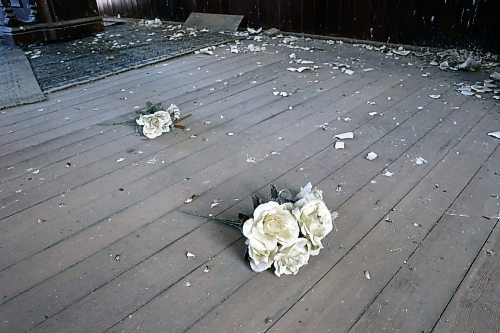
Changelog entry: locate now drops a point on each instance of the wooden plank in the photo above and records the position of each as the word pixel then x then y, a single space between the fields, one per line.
pixel 229 200
pixel 416 296
pixel 90 91
pixel 18 85
pixel 216 107
pixel 230 314
pixel 122 249
pixel 121 97
pixel 209 155
pixel 188 105
pixel 243 159
pixel 30 152
pixel 346 279
pixel 474 307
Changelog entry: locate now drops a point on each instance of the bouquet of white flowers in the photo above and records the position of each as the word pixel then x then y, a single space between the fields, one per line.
pixel 157 121
pixel 286 231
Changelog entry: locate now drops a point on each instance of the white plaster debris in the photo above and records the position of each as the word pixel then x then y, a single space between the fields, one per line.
pixel 367 275
pixel 234 48
pixel 190 255
pixel 348 72
pixel 215 203
pixel 495 134
pixel 251 159
pixel 401 51
pixel 343 136
pixel 374 113
pixel 339 145
pixel 371 156
pixel 299 70
pixel 387 173
pixel 435 96
pixel 121 159
pixel 444 65
pixel 368 69
pixel 206 50
pixel 254 31
pixel 420 161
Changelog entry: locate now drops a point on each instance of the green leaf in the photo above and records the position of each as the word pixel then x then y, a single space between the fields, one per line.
pixel 243 217
pixel 274 193
pixel 285 196
pixel 256 201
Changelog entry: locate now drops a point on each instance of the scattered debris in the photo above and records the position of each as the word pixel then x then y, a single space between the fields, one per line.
pixel 387 173
pixel 401 51
pixel 206 50
pixel 435 96
pixel 470 65
pixel 188 284
pixel 206 269
pixel 367 275
pixel 371 156
pixel 121 159
pixel 420 161
pixel 251 159
pixel 495 134
pixel 215 203
pixel 190 199
pixel 444 65
pixel 190 255
pixel 299 70
pixel 339 145
pixel 343 136
pixel 254 31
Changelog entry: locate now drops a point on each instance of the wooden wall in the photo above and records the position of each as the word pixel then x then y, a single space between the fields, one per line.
pixel 421 22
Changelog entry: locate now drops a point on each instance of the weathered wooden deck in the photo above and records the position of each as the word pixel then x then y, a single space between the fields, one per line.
pixel 91 244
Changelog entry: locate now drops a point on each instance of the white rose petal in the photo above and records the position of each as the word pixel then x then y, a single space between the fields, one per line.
pixel 272 223
pixel 261 257
pixel 290 258
pixel 306 194
pixel 315 222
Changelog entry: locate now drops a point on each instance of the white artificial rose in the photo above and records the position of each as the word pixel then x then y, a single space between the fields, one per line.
pixel 306 194
pixel 261 258
pixel 290 258
pixel 174 112
pixel 315 222
pixel 155 124
pixel 272 224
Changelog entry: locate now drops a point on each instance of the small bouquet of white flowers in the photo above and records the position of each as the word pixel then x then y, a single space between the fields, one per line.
pixel 156 121
pixel 286 231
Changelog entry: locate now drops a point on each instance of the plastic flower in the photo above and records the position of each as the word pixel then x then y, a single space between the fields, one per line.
pixel 174 112
pixel 272 224
pixel 261 258
pixel 290 258
pixel 315 221
pixel 155 124
pixel 306 194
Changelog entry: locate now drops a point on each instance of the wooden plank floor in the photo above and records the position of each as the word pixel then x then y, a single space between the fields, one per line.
pixel 93 229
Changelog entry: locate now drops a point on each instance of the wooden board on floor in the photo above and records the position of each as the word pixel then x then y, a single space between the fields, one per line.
pixel 100 244
pixel 18 84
